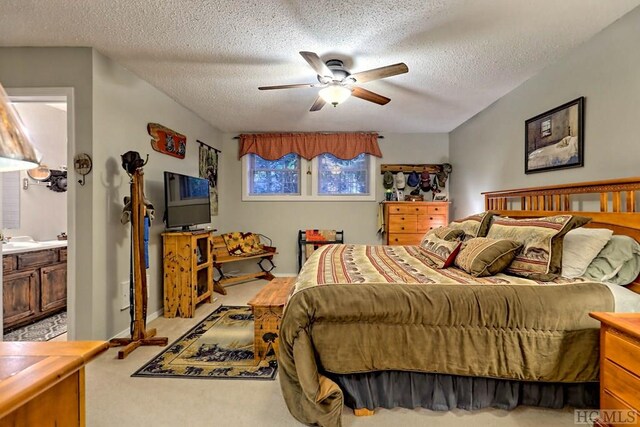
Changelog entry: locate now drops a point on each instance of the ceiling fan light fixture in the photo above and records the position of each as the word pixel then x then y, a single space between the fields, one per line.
pixel 335 94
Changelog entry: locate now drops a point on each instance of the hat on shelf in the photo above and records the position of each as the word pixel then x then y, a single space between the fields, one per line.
pixel 413 179
pixel 387 180
pixel 425 181
pixel 400 180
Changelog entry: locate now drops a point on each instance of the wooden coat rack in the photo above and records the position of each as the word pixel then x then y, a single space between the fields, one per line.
pixel 140 335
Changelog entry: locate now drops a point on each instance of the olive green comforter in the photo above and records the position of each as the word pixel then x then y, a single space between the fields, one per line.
pixel 371 308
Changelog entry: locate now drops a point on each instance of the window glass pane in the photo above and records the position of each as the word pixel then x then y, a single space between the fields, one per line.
pixel 280 176
pixel 343 177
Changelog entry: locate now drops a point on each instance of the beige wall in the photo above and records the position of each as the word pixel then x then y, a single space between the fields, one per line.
pixel 487 152
pixel 113 107
pixel 123 104
pixel 282 220
pixel 32 67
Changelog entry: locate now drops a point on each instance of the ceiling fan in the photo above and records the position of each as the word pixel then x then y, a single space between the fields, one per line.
pixel 338 83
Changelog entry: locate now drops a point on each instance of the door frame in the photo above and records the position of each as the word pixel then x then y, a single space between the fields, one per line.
pixel 58 94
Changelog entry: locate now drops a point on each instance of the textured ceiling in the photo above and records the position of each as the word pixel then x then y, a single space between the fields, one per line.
pixel 212 55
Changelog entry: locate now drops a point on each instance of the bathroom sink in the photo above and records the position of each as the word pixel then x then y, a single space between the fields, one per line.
pixel 11 245
pixel 26 244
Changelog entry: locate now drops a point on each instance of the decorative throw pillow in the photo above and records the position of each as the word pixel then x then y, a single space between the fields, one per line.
pixel 580 247
pixel 475 225
pixel 482 256
pixel 444 233
pixel 541 239
pixel 239 243
pixel 440 252
pixel 617 263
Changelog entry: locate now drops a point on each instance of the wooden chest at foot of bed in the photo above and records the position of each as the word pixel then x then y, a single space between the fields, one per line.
pixel 268 306
pixel 619 369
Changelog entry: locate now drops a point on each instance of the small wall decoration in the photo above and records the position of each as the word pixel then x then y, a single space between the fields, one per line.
pixel 555 138
pixel 167 141
pixel 208 168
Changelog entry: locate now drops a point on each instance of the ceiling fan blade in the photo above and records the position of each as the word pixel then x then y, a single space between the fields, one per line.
pixel 380 73
pixel 288 86
pixel 318 104
pixel 317 64
pixel 367 95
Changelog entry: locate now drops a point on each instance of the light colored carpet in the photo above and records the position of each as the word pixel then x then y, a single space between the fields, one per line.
pixel 113 398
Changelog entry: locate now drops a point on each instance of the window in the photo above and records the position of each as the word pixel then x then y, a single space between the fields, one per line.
pixel 280 176
pixel 343 177
pixel 292 178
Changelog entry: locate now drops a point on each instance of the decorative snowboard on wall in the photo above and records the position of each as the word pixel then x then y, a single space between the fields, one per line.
pixel 167 141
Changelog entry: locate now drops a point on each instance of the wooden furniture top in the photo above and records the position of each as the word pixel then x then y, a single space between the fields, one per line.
pixel 188 233
pixel 629 323
pixel 30 368
pixel 617 199
pixel 274 294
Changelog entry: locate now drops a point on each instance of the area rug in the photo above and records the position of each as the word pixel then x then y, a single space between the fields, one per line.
pixel 42 330
pixel 219 347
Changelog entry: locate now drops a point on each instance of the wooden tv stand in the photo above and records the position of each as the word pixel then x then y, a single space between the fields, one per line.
pixel 188 271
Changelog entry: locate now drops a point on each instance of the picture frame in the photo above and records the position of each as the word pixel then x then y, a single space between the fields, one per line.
pixel 555 139
pixel 440 198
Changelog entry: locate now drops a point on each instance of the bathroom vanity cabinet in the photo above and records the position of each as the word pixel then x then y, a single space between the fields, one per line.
pixel 34 285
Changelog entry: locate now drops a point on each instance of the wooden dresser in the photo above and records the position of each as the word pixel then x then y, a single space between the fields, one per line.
pixel 405 223
pixel 619 368
pixel 42 383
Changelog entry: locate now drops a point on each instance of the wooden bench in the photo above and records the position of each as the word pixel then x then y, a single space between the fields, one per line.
pixel 268 306
pixel 221 257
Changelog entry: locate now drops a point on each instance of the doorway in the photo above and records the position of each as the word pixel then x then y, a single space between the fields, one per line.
pixel 37 216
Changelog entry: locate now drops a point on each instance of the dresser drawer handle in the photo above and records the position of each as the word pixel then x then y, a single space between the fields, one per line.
pixel 417 209
pixel 436 209
pixel 430 228
pixel 431 218
pixel 402 219
pixel 396 239
pixel 401 228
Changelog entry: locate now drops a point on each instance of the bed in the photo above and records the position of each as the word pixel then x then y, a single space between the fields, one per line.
pixel 376 326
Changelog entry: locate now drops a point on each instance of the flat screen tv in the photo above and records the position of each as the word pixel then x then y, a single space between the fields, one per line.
pixel 187 200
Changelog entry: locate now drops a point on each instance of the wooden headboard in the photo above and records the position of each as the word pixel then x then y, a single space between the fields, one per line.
pixel 616 197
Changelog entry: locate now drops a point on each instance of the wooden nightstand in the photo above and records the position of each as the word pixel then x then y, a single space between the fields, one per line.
pixel 619 364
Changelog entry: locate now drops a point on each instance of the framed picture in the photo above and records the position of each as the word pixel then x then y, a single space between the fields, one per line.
pixel 440 198
pixel 555 138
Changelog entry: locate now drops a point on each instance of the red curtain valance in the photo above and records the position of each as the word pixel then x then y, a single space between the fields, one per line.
pixel 345 146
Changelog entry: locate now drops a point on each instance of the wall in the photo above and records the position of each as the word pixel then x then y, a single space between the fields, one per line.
pixel 112 109
pixel 123 104
pixel 47 127
pixel 282 220
pixel 487 151
pixel 31 67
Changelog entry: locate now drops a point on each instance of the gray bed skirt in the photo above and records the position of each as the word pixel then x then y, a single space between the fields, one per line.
pixel 440 392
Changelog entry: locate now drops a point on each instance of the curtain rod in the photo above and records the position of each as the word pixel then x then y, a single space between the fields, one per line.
pixel 379 136
pixel 207 145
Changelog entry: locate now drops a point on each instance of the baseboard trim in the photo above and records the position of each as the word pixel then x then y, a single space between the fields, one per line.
pixel 125 333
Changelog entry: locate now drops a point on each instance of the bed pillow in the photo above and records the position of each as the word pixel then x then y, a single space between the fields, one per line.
pixel 474 225
pixel 541 239
pixel 617 263
pixel 482 256
pixel 580 247
pixel 444 233
pixel 440 252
